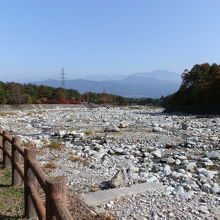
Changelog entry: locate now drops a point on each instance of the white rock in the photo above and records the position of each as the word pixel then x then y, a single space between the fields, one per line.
pixel 169 190
pixel 112 128
pixel 98 155
pixel 203 209
pixel 167 170
pixel 179 190
pixel 151 179
pixel 206 187
pixel 188 195
pixel 214 155
pixel 176 175
pixel 61 133
pixel 155 217
pixel 133 168
pixel 157 153
pixel 123 125
pixel 157 129
pixel 182 157
pixel 190 167
pixel 215 189
pixel 170 160
pixel 177 162
pixel 207 173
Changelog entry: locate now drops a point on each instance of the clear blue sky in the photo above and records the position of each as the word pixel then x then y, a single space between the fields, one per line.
pixel 38 37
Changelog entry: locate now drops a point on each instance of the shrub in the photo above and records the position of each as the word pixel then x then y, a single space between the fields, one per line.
pixel 50 165
pixel 55 144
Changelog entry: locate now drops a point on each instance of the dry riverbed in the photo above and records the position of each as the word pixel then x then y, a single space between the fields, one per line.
pixel 111 147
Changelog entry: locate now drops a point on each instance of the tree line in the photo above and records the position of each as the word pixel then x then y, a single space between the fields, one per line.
pixel 200 85
pixel 16 93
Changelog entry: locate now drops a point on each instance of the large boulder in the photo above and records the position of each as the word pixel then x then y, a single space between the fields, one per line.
pixel 120 179
pixel 112 128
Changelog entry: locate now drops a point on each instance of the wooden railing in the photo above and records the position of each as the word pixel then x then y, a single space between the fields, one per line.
pixel 30 172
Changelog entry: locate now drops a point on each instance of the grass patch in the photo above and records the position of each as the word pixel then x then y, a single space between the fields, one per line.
pixel 109 217
pixel 5 176
pixel 8 173
pixel 28 145
pixel 75 158
pixel 50 165
pixel 31 113
pixel 14 192
pixel 134 107
pixel 11 199
pixel 81 160
pixel 55 144
pixel 116 133
pixel 153 106
pixel 7 113
pixel 88 132
pixel 112 139
pixel 95 189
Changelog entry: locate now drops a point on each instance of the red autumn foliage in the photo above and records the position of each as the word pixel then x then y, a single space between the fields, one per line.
pixel 63 101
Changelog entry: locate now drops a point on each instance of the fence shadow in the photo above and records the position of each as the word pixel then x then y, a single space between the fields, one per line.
pixel 7 217
pixel 3 185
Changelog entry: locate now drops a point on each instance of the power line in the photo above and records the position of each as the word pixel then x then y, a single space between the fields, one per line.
pixel 62 78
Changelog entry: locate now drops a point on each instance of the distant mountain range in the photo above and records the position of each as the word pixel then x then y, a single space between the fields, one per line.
pixel 150 84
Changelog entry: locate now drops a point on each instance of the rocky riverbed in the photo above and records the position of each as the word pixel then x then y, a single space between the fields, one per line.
pixel 111 147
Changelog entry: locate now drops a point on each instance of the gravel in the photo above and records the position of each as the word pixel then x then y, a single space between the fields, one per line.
pixel 180 151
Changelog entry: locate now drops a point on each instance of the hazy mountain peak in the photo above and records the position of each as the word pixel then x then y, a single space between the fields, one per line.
pixel 161 75
pixel 102 77
pixel 150 84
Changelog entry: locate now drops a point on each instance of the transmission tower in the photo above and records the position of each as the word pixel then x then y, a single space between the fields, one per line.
pixel 62 78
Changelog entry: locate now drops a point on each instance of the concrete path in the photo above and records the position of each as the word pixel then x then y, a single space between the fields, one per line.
pixel 97 198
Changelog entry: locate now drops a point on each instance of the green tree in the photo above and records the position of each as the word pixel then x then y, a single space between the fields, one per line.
pixel 58 94
pixel 199 85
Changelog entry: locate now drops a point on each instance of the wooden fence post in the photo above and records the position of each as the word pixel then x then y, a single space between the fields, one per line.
pixel 56 188
pixel 16 157
pixel 29 179
pixel 7 147
pixel 2 141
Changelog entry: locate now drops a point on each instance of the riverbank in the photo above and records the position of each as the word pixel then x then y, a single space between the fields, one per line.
pixel 130 145
pixel 212 109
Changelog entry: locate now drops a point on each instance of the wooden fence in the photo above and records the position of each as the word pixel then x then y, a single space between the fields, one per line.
pixel 54 207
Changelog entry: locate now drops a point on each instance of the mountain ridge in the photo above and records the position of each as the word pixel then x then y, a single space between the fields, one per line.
pixel 152 84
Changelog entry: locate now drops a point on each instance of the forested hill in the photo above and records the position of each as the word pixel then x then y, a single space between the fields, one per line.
pixel 15 93
pixel 200 86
